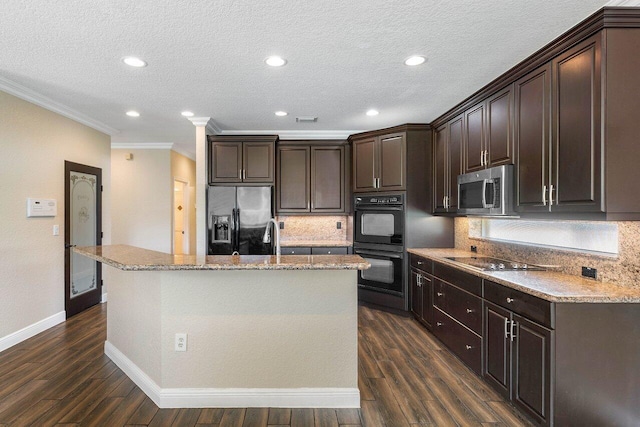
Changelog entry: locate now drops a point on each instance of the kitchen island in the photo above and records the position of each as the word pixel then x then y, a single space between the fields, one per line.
pixel 262 331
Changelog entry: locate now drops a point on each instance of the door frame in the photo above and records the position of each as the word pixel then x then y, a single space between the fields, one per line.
pixel 186 239
pixel 88 299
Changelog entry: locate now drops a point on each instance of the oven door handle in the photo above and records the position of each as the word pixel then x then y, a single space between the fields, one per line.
pixel 379 208
pixel 395 255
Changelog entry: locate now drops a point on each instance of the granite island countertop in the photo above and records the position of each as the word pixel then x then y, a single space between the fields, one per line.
pixel 131 258
pixel 549 285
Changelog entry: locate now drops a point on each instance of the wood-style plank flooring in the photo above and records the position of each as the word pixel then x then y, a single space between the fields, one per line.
pixel 61 377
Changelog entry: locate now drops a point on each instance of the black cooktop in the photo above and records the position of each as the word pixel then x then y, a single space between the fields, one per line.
pixel 495 264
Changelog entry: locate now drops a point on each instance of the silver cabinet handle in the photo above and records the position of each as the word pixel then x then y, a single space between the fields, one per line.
pixel 468 347
pixel 469 311
pixel 420 263
pixel 513 328
pixel 510 300
pixel 482 158
pixel 439 294
pixel 419 280
pixel 506 328
pixel 551 195
pixel 439 323
pixel 240 173
pixel 486 157
pixel 544 195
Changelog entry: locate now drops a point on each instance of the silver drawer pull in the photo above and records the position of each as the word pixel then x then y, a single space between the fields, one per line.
pixel 439 323
pixel 468 347
pixel 510 300
pixel 328 252
pixel 439 294
pixel 469 311
pixel 420 262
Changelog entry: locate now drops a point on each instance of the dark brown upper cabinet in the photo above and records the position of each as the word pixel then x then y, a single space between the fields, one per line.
pixel 311 179
pixel 293 179
pixel 532 136
pixel 241 159
pixel 447 165
pixel 558 164
pixel 567 118
pixel 488 136
pixel 379 163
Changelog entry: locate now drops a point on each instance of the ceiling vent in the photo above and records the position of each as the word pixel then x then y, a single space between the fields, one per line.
pixel 306 119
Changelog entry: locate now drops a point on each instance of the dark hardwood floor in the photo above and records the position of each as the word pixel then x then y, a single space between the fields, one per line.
pixel 61 377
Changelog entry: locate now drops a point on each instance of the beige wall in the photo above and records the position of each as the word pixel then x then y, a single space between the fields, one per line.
pixel 142 198
pixel 35 143
pixel 622 269
pixel 184 169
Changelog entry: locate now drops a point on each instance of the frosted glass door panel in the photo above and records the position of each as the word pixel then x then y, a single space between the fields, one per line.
pixel 83 232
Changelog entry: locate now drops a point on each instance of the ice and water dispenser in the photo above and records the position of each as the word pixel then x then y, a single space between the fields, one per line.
pixel 220 231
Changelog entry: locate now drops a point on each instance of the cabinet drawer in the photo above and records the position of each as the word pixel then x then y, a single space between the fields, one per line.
pixel 461 279
pixel 461 305
pixel 291 250
pixel 329 250
pixel 421 263
pixel 531 307
pixel 460 340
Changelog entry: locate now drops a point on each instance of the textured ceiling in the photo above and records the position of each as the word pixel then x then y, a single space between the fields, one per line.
pixel 344 58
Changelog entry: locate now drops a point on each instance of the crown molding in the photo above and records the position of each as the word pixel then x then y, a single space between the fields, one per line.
pixel 34 97
pixel 142 145
pixel 294 134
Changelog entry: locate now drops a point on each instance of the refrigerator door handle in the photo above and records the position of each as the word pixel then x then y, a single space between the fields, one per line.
pixel 237 230
pixel 232 230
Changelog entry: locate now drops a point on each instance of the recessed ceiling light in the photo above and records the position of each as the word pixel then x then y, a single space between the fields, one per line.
pixel 415 60
pixel 275 61
pixel 133 113
pixel 281 113
pixel 134 62
pixel 373 113
pixel 187 113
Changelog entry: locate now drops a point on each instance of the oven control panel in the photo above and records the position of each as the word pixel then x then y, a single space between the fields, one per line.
pixel 379 200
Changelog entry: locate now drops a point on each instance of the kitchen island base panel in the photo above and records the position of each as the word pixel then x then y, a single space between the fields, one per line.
pixel 255 338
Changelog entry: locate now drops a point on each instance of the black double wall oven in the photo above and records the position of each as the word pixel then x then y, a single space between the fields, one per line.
pixel 379 228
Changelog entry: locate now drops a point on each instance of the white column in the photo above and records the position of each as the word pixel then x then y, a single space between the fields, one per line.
pixel 201 183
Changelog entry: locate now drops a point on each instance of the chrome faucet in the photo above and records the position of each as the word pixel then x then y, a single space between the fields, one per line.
pixel 267 237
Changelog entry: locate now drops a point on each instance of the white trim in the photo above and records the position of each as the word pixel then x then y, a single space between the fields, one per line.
pixel 34 97
pixel 142 145
pixel 31 330
pixel 104 298
pixel 295 134
pixel 233 397
pixel 199 121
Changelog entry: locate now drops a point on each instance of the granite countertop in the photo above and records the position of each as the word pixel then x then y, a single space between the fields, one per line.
pixel 315 243
pixel 131 258
pixel 548 285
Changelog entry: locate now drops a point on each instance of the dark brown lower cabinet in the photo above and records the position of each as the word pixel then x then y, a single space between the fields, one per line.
pixel 517 360
pixel 422 297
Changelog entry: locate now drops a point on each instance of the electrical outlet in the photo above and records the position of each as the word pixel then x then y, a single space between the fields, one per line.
pixel 181 342
pixel 589 272
pixel 56 230
pixel 339 225
pixel 474 248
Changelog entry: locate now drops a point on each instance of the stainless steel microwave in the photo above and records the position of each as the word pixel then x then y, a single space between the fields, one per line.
pixel 488 192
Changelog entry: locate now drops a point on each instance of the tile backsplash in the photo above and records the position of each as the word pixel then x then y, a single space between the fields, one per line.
pixel 623 269
pixel 315 227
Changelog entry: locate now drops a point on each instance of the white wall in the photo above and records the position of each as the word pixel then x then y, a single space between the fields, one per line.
pixel 142 190
pixel 34 143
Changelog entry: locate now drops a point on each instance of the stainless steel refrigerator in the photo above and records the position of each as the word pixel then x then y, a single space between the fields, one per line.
pixel 237 218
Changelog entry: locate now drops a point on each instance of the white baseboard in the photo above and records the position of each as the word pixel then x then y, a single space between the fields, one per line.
pixel 104 298
pixel 234 397
pixel 31 330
